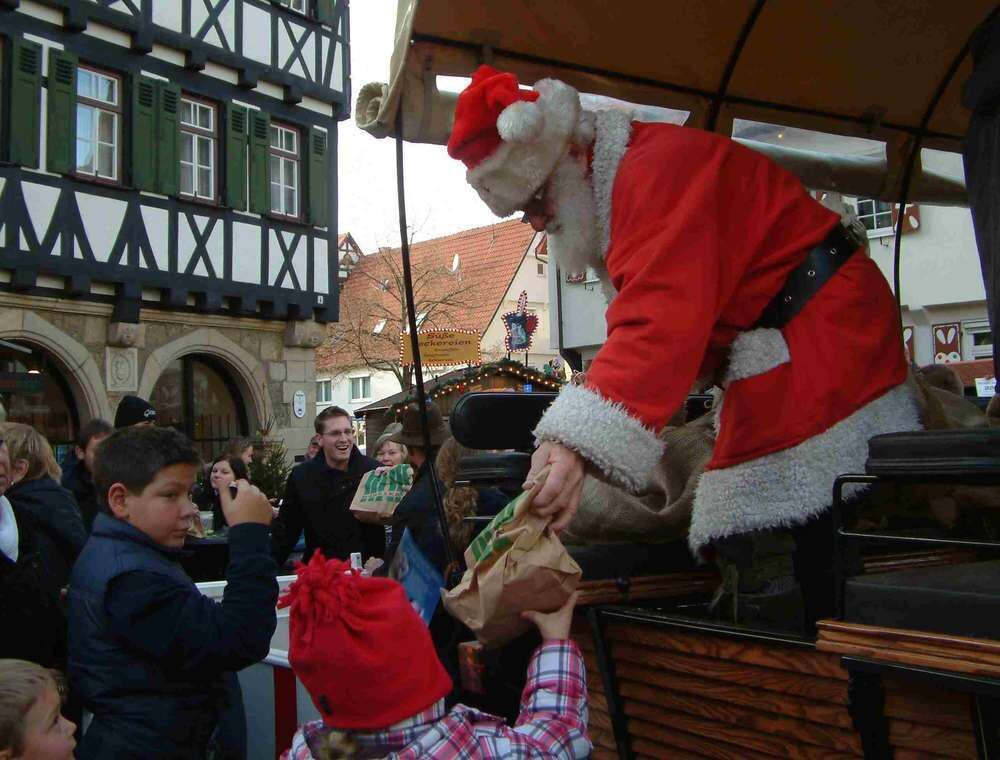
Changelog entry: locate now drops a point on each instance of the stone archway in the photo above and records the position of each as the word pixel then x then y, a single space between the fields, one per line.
pixel 79 368
pixel 247 371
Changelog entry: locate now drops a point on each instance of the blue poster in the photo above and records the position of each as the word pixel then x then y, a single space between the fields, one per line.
pixel 418 576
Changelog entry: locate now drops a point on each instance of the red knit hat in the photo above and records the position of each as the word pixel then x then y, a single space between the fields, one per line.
pixel 511 139
pixel 359 648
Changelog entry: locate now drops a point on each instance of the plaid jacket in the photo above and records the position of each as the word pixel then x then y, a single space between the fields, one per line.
pixel 552 724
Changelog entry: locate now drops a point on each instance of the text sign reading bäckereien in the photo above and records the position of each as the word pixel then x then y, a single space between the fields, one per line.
pixel 441 347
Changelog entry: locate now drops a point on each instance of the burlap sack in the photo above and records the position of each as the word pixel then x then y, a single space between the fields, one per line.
pixel 661 513
pixel 378 495
pixel 515 564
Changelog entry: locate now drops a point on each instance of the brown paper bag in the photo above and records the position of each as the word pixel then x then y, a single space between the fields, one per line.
pixel 377 496
pixel 515 564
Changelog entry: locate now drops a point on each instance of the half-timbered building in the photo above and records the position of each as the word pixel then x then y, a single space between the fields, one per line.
pixel 168 209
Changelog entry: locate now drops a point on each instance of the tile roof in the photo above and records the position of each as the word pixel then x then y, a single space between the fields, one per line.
pixel 465 298
pixel 968 371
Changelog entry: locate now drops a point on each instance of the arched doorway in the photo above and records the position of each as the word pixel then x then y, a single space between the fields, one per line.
pixel 197 395
pixel 35 391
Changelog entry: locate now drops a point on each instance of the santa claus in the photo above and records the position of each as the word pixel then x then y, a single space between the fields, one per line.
pixel 718 264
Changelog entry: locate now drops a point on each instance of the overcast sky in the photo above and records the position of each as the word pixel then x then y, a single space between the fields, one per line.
pixel 438 200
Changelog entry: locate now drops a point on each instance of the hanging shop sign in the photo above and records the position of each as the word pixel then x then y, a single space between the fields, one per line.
pixel 441 348
pixel 520 325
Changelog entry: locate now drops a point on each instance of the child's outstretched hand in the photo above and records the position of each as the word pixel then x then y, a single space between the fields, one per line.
pixel 554 626
pixel 249 505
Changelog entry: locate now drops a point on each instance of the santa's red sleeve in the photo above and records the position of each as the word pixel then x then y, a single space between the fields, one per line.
pixel 678 242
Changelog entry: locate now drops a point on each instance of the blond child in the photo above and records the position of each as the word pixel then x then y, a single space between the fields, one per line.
pixel 31 724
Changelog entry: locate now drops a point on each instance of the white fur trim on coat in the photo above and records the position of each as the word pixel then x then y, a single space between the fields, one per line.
pixel 604 433
pixel 791 486
pixel 613 130
pixel 535 136
pixel 755 352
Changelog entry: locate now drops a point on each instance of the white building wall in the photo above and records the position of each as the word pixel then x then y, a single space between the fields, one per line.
pixel 527 278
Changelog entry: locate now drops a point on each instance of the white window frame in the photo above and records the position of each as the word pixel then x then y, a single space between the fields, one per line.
pixel 420 321
pixel 324 391
pixel 361 384
pixel 198 134
pixel 97 106
pixel 287 152
pixel 299 6
pixel 875 232
pixel 969 348
pixel 379 327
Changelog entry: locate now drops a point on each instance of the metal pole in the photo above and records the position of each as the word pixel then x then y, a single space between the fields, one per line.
pixel 411 318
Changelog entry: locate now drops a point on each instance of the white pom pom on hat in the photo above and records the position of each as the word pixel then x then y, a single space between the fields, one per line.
pixel 521 122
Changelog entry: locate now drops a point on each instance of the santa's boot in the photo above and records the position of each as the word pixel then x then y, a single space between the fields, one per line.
pixel 758 587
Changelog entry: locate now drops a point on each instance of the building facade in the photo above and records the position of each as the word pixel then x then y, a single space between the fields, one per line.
pixel 491 266
pixel 168 209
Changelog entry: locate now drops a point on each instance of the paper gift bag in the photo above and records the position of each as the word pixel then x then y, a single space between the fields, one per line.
pixel 515 564
pixel 378 495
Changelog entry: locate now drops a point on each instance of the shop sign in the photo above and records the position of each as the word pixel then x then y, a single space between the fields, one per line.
pixel 441 348
pixel 21 382
pixel 986 387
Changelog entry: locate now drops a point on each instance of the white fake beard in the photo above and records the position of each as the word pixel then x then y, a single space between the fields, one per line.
pixel 573 237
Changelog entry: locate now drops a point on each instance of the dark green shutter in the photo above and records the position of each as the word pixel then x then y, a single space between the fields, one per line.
pixel 60 116
pixel 326 12
pixel 236 156
pixel 260 163
pixel 144 133
pixel 168 138
pixel 25 102
pixel 318 173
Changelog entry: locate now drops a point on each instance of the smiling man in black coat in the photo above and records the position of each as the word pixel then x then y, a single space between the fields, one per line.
pixel 318 498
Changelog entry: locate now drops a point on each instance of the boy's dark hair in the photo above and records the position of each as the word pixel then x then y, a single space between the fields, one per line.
pixel 330 411
pixel 94 427
pixel 134 455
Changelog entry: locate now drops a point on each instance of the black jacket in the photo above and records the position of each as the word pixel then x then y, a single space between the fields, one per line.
pixel 29 601
pixel 59 527
pixel 76 479
pixel 150 656
pixel 318 500
pixel 418 512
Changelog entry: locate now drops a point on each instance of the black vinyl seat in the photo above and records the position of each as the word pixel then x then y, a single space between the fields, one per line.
pixel 960 599
pixel 500 423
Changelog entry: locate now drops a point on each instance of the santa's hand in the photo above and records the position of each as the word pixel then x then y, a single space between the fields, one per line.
pixel 560 495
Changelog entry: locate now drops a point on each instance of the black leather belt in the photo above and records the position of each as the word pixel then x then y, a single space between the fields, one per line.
pixel 803 282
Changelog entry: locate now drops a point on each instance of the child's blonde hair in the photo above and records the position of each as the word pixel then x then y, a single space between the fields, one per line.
pixel 24 442
pixel 21 685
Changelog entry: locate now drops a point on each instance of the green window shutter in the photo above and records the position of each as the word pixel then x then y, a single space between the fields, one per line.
pixel 144 133
pixel 260 163
pixel 318 173
pixel 326 12
pixel 236 156
pixel 60 116
pixel 25 102
pixel 168 138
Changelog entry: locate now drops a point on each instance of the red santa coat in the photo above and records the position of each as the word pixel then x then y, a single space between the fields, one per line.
pixel 700 234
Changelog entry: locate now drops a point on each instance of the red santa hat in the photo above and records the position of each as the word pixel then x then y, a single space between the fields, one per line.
pixel 359 648
pixel 511 139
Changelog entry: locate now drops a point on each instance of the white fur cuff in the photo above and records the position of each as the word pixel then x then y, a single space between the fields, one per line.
pixel 604 433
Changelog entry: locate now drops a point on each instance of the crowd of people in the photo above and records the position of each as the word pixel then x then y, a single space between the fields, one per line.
pixel 112 633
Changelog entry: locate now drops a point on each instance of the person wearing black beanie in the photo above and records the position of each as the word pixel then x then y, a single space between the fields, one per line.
pixel 133 410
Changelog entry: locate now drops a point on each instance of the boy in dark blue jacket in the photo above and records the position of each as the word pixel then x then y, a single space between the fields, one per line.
pixel 152 658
